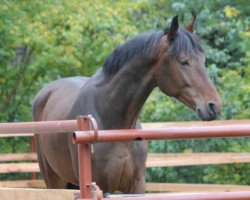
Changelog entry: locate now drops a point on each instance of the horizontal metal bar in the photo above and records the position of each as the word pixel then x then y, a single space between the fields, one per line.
pixel 71 125
pixel 242 195
pixel 194 123
pixel 235 130
pixel 62 126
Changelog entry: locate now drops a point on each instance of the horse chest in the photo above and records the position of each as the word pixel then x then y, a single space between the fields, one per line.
pixel 120 165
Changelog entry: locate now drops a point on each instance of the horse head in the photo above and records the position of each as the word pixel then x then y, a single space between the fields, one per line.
pixel 181 71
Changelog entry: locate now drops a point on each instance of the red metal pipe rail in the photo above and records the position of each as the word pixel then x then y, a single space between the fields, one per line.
pixel 234 130
pixel 191 196
pixel 63 126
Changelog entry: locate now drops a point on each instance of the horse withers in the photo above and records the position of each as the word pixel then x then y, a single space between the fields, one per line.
pixel 172 60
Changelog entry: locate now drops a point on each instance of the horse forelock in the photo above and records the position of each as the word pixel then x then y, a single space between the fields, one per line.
pixel 185 42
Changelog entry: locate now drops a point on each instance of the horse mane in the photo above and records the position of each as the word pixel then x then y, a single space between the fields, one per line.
pixel 142 46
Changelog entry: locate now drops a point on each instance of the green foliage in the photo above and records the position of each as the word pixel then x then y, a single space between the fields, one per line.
pixel 43 41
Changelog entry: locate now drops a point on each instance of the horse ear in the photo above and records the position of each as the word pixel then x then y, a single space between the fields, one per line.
pixel 173 29
pixel 190 26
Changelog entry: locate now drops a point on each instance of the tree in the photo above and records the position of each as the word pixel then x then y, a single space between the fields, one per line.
pixel 44 41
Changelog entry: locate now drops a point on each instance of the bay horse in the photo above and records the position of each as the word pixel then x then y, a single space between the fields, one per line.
pixel 171 59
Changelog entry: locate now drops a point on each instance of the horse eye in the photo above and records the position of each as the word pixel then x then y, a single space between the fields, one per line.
pixel 184 63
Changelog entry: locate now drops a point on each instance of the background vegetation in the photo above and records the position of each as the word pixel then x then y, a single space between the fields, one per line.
pixel 45 40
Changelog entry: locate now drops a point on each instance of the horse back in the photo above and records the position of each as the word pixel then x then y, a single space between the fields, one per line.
pixel 54 101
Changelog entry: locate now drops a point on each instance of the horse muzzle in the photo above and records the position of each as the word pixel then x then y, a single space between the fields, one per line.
pixel 209 111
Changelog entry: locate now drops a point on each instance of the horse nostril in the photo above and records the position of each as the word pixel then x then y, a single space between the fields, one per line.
pixel 200 114
pixel 212 108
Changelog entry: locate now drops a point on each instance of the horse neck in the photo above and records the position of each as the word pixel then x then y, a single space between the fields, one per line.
pixel 124 93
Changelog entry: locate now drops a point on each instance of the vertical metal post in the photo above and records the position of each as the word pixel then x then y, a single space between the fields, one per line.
pixel 84 159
